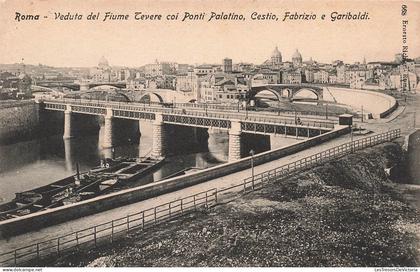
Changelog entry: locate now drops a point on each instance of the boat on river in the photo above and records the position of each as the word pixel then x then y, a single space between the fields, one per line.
pixel 184 171
pixel 81 186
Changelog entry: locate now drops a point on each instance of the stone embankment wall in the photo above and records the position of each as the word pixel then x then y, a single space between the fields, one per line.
pixel 412 147
pixel 18 120
pixel 378 104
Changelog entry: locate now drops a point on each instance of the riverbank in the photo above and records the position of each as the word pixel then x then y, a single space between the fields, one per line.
pixel 343 213
pixel 19 119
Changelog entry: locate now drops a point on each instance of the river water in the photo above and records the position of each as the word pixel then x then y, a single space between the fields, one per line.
pixel 30 164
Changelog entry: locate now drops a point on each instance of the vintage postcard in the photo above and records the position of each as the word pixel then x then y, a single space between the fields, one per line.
pixel 192 133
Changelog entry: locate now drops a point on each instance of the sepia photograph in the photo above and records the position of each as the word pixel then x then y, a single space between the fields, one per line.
pixel 209 133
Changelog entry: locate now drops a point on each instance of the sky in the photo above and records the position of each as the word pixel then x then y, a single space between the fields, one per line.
pixel 134 42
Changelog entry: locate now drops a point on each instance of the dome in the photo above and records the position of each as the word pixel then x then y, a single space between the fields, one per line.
pixel 297 55
pixel 103 62
pixel 276 57
pixel 276 52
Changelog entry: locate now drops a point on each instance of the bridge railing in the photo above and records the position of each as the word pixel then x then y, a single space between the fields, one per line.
pixel 109 231
pixel 324 115
pixel 327 115
pixel 324 156
pixel 243 116
pixel 261 119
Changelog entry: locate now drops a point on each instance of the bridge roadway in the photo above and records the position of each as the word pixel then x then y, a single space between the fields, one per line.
pixel 219 183
pixel 307 115
pixel 235 123
pixel 210 117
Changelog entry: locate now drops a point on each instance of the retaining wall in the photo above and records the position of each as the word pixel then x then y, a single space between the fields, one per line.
pixel 53 216
pixel 378 104
pixel 412 147
pixel 18 120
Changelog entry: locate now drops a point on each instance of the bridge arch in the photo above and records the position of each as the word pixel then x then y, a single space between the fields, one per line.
pixel 289 91
pixel 151 95
pixel 306 90
pixel 108 95
pixel 120 95
pixel 268 90
pixel 103 86
pixel 41 89
pixel 255 91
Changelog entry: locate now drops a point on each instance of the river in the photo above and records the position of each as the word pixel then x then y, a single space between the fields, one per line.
pixel 30 164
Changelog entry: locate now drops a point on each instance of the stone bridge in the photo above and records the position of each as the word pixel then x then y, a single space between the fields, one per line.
pixel 115 93
pixel 234 123
pixel 80 86
pixel 288 91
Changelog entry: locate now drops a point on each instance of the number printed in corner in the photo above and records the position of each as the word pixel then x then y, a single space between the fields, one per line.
pixel 404 10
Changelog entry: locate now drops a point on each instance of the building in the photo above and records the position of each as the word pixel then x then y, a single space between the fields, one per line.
pixel 309 75
pixel 123 74
pixel 399 58
pixel 265 77
pixel 297 59
pixel 243 67
pixel 403 81
pixel 24 86
pixel 332 78
pixel 230 90
pixel 291 77
pixel 341 74
pixel 136 84
pixel 188 83
pixel 103 72
pixel 356 77
pixel 276 58
pixel 158 69
pixel 223 88
pixel 168 82
pixel 204 70
pixel 207 92
pixel 321 76
pixel 227 65
pixel 182 68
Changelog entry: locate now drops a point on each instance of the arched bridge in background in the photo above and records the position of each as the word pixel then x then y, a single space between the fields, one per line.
pixel 100 94
pixel 80 86
pixel 288 91
pixel 112 92
pixel 91 85
pixel 152 96
pixel 117 95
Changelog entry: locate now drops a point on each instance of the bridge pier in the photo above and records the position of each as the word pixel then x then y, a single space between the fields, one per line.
pixel 67 124
pixel 159 136
pixel 139 123
pixel 107 140
pixel 68 155
pixel 235 146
